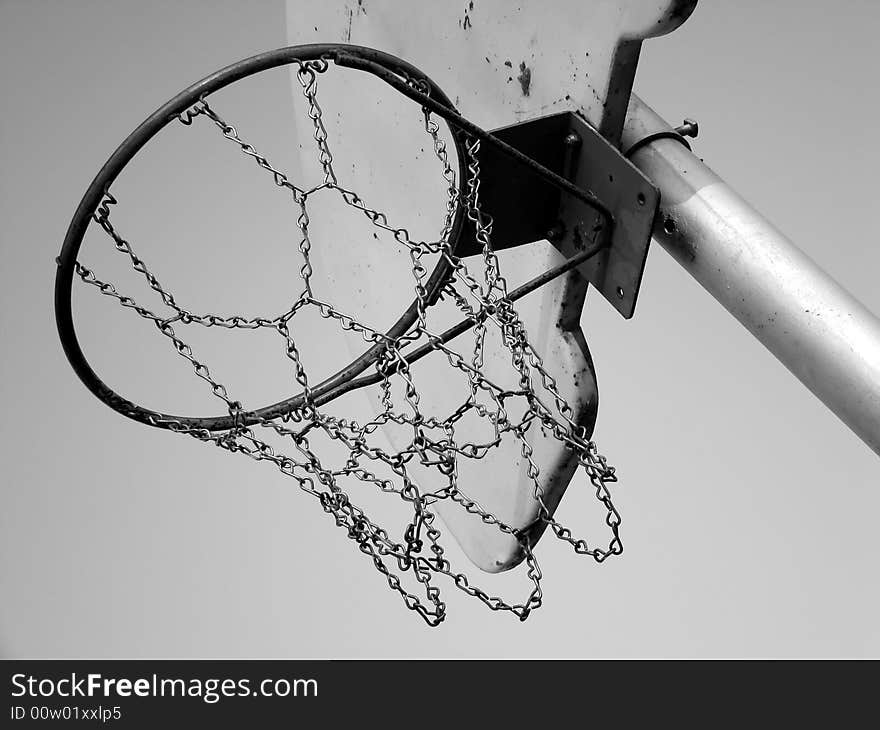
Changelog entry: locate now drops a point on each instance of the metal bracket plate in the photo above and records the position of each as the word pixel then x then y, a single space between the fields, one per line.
pixel 527 208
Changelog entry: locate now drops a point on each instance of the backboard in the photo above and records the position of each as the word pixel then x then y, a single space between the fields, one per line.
pixel 502 63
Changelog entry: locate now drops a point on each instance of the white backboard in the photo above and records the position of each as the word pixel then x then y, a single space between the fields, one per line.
pixel 501 63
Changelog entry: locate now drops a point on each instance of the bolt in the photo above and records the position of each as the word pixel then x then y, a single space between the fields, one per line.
pixel 555 233
pixel 688 128
pixel 572 140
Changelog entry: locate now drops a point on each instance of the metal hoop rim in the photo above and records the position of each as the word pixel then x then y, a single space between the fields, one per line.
pixel 168 112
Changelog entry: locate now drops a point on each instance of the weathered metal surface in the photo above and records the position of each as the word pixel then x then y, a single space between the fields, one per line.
pixel 501 63
pixel 633 200
pixel 527 208
pixel 817 329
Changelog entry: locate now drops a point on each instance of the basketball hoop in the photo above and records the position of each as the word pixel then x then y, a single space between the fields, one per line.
pixel 484 301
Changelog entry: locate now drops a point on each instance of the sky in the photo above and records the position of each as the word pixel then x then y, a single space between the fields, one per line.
pixel 749 510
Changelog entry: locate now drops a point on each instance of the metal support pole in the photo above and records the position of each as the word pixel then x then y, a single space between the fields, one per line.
pixel 819 331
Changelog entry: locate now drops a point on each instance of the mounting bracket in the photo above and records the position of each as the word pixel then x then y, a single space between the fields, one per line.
pixel 527 208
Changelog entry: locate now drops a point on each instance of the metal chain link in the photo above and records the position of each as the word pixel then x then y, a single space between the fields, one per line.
pixel 434 443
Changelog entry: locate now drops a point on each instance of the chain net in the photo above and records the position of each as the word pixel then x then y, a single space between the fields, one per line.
pixel 434 442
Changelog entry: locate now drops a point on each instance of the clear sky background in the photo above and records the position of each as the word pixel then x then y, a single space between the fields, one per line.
pixel 750 512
